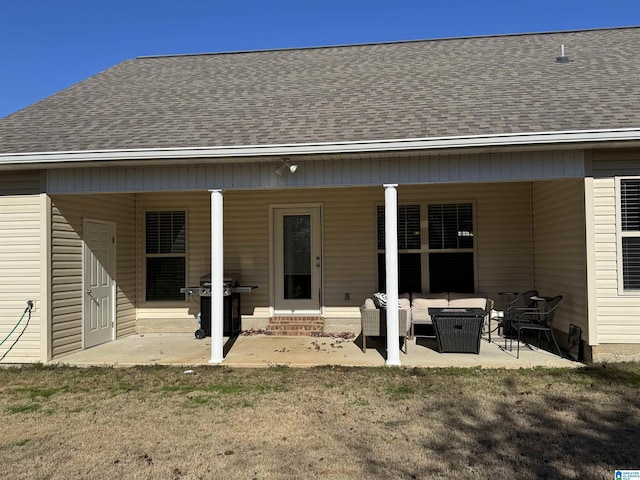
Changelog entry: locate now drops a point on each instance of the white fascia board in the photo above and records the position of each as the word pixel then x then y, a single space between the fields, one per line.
pixel 495 140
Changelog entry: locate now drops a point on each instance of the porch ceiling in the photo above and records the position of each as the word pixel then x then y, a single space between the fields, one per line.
pixel 335 171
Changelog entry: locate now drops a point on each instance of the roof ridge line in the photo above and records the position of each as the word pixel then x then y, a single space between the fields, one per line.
pixel 390 42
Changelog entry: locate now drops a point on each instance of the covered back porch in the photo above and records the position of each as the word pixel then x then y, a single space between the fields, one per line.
pixel 525 228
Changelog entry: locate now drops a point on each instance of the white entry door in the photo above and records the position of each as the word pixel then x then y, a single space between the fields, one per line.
pixel 99 283
pixel 297 259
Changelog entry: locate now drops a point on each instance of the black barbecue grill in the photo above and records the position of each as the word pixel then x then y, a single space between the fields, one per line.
pixel 232 323
pixel 232 317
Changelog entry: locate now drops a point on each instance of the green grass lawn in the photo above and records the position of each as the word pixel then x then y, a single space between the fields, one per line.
pixel 328 422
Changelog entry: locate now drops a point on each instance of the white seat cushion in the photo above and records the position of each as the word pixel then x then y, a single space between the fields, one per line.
pixel 469 303
pixel 420 306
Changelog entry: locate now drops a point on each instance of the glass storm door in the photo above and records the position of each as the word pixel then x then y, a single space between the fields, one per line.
pixel 298 263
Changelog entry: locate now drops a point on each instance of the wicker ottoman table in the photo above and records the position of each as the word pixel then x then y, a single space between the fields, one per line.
pixel 458 329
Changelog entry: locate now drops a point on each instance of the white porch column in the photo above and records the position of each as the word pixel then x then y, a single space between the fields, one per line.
pixel 391 265
pixel 217 278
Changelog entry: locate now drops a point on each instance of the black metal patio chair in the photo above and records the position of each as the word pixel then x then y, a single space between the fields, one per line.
pixel 538 319
pixel 521 300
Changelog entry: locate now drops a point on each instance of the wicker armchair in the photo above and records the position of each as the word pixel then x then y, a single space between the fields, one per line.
pixel 374 324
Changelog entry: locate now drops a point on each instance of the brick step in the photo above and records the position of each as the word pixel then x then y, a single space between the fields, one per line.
pixel 296 322
pixel 294 333
pixel 295 326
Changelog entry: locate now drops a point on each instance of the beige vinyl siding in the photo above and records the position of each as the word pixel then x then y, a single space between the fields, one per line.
pixel 68 212
pixel 21 246
pixel 349 241
pixel 350 255
pixel 21 183
pixel 617 314
pixel 197 206
pixel 503 232
pixel 502 238
pixel 559 248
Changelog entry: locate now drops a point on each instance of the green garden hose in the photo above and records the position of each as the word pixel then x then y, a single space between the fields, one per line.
pixel 28 309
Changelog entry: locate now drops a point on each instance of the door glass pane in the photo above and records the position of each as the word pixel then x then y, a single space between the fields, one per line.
pixel 297 256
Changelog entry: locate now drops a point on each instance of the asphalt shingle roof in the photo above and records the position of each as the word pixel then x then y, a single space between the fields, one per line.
pixel 421 89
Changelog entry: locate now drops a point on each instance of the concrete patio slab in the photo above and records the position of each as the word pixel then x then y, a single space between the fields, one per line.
pixel 265 351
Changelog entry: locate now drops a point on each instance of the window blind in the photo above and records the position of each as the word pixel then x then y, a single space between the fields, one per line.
pixel 408 227
pixel 165 232
pixel 165 247
pixel 450 226
pixel 631 262
pixel 630 224
pixel 630 205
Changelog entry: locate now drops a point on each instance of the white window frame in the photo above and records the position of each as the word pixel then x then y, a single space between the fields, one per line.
pixel 426 274
pixel 402 251
pixel 620 234
pixel 165 255
pixel 424 250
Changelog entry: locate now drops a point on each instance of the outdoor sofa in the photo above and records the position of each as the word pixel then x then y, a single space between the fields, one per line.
pixel 414 309
pixel 422 302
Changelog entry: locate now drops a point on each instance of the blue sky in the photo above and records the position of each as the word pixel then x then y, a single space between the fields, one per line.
pixel 48 45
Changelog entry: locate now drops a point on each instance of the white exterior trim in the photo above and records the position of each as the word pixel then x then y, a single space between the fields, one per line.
pixel 467 141
pixel 44 305
pixel 391 265
pixel 217 278
pixel 591 270
pixel 620 234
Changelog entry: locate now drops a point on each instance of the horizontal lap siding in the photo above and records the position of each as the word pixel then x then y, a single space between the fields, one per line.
pixel 68 212
pixel 21 183
pixel 350 245
pixel 349 242
pixel 246 242
pixel 502 230
pixel 559 248
pixel 618 315
pixel 20 266
pixel 349 255
pixel 350 234
pixel 197 205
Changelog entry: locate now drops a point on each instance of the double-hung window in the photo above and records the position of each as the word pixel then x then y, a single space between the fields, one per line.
pixel 447 254
pixel 409 264
pixel 165 255
pixel 451 247
pixel 630 233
